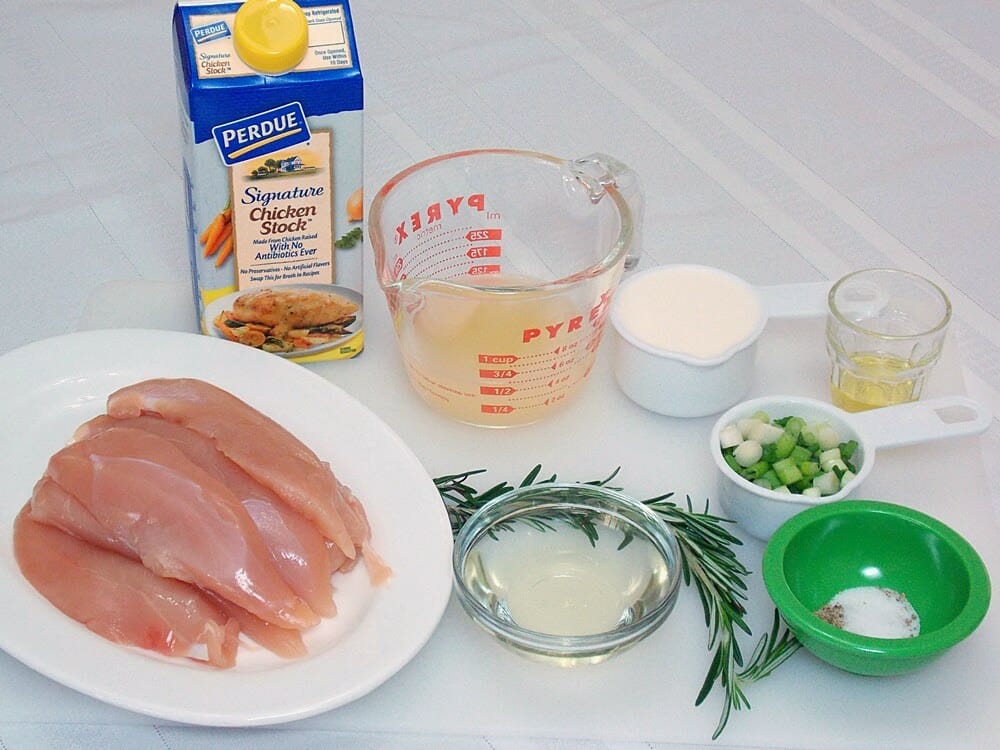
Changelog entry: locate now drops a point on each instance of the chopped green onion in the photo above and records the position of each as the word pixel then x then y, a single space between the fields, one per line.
pixel 800 453
pixel 827 483
pixel 847 449
pixel 809 469
pixel 789 454
pixel 827 437
pixel 765 433
pixel 756 471
pixel 784 445
pixel 787 471
pixel 772 478
pixel 731 437
pixel 748 453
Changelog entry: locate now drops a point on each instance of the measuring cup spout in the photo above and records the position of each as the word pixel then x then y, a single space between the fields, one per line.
pixel 597 172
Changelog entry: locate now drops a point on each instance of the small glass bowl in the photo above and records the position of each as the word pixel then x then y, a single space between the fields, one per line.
pixel 566 572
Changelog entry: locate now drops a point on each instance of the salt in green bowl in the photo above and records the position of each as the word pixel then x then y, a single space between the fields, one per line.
pixel 827 549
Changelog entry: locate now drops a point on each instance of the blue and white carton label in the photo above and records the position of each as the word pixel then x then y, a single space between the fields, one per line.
pixel 262 133
pixel 210 32
pixel 273 166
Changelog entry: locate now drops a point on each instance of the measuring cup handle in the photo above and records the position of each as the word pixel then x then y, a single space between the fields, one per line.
pixel 923 421
pixel 805 300
pixel 599 171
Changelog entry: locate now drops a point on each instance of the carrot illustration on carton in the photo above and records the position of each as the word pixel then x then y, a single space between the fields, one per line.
pixel 217 239
pixel 355 205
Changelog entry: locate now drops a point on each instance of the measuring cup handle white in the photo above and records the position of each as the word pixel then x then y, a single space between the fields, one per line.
pixel 805 300
pixel 922 421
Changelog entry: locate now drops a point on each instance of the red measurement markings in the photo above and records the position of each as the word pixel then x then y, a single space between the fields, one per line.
pixel 496 390
pixel 496 408
pixel 498 374
pixel 540 366
pixel 432 255
pixel 484 251
pixel 526 403
pixel 560 363
pixel 594 339
pixel 483 235
pixel 483 270
pixel 547 381
pixel 497 359
pixel 539 361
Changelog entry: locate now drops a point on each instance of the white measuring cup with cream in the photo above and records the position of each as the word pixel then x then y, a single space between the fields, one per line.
pixel 685 335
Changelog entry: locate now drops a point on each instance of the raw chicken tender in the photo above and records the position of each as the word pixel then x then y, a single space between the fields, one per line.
pixel 262 447
pixel 357 523
pixel 284 642
pixel 185 521
pixel 52 505
pixel 120 599
pixel 296 546
pixel 177 518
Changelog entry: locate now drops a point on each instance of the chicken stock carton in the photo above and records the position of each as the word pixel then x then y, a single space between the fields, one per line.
pixel 271 102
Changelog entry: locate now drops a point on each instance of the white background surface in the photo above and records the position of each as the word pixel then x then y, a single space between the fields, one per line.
pixel 791 140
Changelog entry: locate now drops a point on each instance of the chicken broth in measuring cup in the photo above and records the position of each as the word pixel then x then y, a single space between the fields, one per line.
pixel 498 267
pixel 507 359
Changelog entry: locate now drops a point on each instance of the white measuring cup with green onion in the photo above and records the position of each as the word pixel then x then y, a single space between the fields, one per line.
pixel 760 511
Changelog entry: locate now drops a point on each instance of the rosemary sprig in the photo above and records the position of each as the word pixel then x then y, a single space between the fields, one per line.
pixel 462 499
pixel 708 560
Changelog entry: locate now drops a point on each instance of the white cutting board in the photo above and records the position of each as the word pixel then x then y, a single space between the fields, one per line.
pixel 465 683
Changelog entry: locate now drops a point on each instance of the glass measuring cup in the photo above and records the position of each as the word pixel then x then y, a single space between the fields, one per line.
pixel 498 266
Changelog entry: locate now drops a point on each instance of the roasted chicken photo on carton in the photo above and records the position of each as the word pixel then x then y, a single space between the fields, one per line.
pixel 287 319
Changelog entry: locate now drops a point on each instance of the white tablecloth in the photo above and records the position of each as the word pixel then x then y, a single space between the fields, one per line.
pixel 783 140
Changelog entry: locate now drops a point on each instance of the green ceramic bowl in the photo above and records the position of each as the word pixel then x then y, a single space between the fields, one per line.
pixel 829 548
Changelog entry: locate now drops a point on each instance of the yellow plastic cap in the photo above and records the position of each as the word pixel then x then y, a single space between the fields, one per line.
pixel 270 35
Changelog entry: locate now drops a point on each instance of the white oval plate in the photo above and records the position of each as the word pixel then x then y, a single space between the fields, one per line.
pixel 53 385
